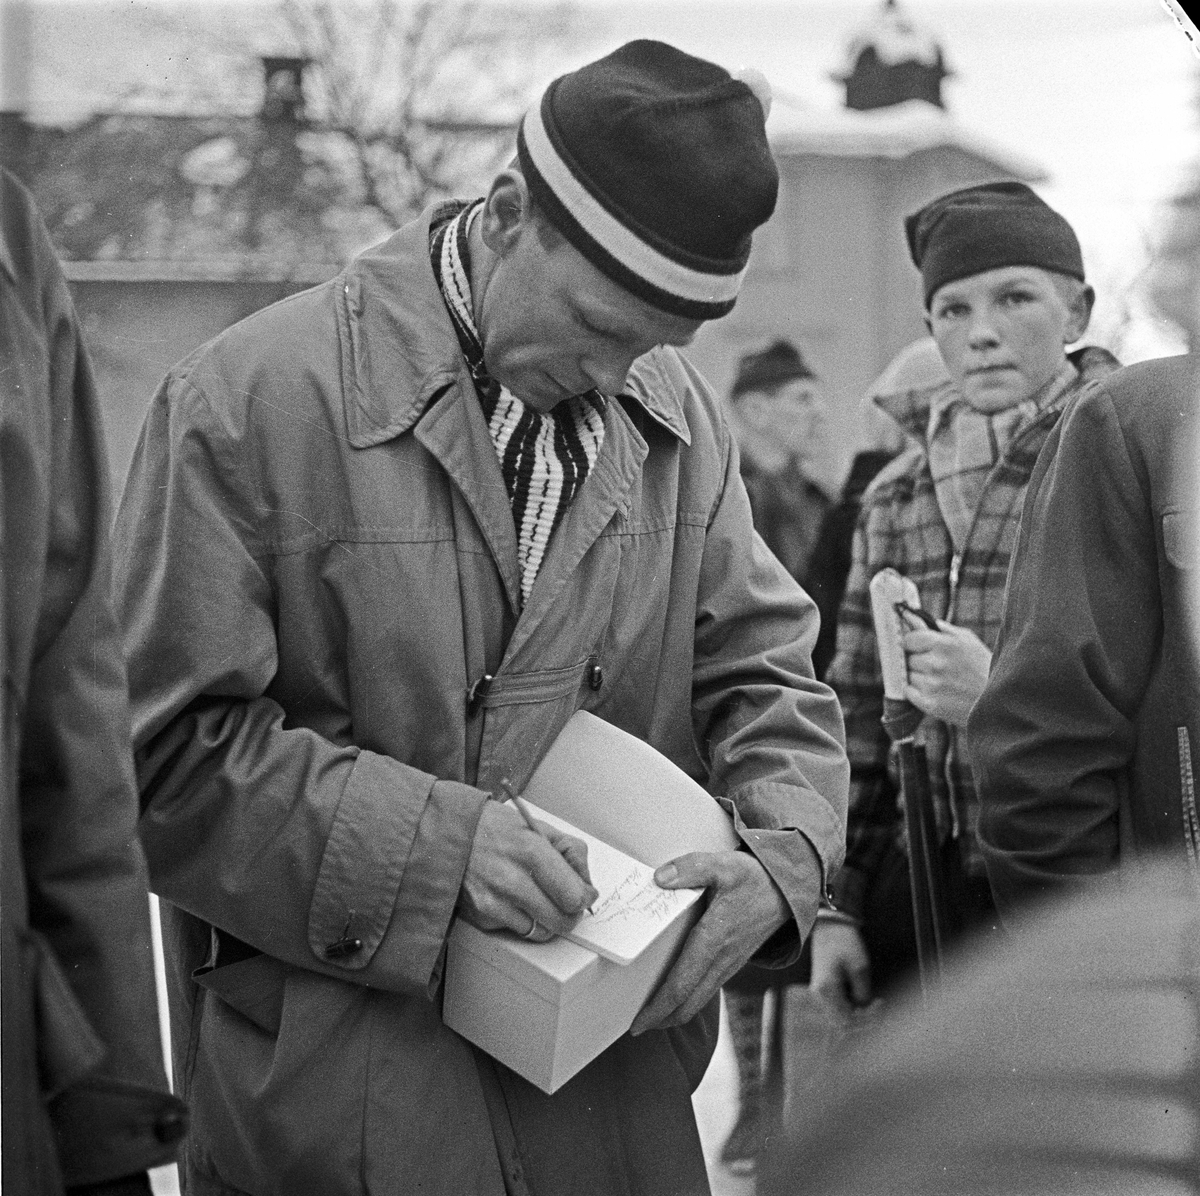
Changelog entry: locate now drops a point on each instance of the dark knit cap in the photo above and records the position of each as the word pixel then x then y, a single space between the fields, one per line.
pixel 769 368
pixel 983 228
pixel 655 166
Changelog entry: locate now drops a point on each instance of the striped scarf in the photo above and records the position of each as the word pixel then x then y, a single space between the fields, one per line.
pixel 544 457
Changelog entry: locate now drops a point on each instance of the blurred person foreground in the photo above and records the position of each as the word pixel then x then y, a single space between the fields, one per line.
pixel 84 1096
pixel 1062 1060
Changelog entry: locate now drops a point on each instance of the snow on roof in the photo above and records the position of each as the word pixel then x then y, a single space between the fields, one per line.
pixel 894 132
pixel 895 38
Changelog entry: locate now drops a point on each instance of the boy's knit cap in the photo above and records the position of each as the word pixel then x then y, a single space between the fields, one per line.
pixel 983 228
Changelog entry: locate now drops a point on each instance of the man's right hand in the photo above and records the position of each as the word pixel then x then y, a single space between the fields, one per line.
pixel 515 877
pixel 841 968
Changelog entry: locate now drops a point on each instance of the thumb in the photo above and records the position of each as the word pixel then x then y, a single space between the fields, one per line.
pixel 696 870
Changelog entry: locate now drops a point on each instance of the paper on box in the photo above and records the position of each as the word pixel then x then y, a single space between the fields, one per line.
pixel 547 1009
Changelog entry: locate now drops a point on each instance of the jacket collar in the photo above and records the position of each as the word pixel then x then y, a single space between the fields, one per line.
pixel 400 352
pixel 911 408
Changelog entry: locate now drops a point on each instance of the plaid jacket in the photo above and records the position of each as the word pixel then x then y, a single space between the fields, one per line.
pixel 901 525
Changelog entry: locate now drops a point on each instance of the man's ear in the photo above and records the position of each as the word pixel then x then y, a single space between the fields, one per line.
pixel 506 211
pixel 1081 314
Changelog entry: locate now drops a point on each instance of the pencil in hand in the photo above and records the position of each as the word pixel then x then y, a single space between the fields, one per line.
pixel 527 815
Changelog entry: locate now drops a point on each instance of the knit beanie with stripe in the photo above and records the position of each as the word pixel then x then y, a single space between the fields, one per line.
pixel 655 166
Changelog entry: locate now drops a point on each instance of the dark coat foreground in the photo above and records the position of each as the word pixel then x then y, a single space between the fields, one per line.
pixel 317 560
pixel 1086 741
pixel 1067 1061
pixel 84 1094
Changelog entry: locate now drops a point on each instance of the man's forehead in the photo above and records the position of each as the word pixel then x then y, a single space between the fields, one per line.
pixel 623 312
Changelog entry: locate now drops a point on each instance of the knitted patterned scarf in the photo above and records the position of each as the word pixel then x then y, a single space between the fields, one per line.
pixel 544 457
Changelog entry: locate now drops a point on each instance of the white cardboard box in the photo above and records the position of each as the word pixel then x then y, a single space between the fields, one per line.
pixel 546 1010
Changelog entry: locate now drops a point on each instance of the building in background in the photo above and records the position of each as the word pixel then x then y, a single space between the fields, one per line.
pixel 176 224
pixel 831 270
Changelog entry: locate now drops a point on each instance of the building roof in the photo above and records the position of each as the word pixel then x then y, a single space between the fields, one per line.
pixel 898 131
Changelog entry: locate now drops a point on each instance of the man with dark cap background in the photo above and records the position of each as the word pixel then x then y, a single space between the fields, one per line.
pixel 1005 295
pixel 378 543
pixel 777 414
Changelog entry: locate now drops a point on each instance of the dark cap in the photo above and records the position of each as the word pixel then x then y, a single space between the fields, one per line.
pixel 983 228
pixel 769 368
pixel 655 166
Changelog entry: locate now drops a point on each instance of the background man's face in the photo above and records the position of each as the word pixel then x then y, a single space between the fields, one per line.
pixel 776 426
pixel 553 326
pixel 1002 333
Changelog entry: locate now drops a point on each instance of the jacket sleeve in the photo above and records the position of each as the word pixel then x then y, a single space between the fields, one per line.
pixel 324 855
pixel 89 947
pixel 1054 729
pixel 872 821
pixel 773 732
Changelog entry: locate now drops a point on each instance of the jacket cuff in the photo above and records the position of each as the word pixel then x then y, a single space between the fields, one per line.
pixel 794 863
pixel 391 872
pixel 850 891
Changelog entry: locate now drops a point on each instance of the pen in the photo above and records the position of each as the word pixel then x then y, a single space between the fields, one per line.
pixel 523 810
pixel 902 608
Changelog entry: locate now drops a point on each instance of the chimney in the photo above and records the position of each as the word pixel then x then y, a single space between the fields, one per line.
pixel 283 95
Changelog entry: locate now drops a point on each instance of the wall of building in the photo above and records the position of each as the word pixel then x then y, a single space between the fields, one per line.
pixel 137 328
pixel 831 272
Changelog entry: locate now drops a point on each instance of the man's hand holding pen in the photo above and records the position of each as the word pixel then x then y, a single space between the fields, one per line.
pixel 530 879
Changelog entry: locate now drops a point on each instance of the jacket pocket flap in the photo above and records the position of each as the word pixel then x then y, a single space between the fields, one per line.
pixel 68 1048
pixel 1181 538
pixel 253 987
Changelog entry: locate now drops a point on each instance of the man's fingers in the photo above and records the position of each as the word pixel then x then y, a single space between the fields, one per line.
pixel 557 877
pixel 707 960
pixel 923 640
pixel 697 870
pixel 692 981
pixel 574 851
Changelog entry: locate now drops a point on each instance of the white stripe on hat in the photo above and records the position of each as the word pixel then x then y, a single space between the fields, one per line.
pixel 626 246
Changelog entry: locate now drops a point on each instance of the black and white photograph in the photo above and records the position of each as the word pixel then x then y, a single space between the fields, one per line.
pixel 599 598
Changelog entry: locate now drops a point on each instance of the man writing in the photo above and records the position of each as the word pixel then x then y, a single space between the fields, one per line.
pixel 1005 296
pixel 378 543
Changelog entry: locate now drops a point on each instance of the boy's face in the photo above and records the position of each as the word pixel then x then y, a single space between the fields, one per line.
pixel 1003 333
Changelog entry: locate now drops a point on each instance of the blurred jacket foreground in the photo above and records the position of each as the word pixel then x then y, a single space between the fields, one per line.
pixel 1066 1061
pixel 85 1098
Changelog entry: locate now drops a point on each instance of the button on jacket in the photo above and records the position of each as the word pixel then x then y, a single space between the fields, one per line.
pixel 317 564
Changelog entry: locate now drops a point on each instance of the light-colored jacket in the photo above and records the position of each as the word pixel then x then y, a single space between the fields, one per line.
pixel 317 567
